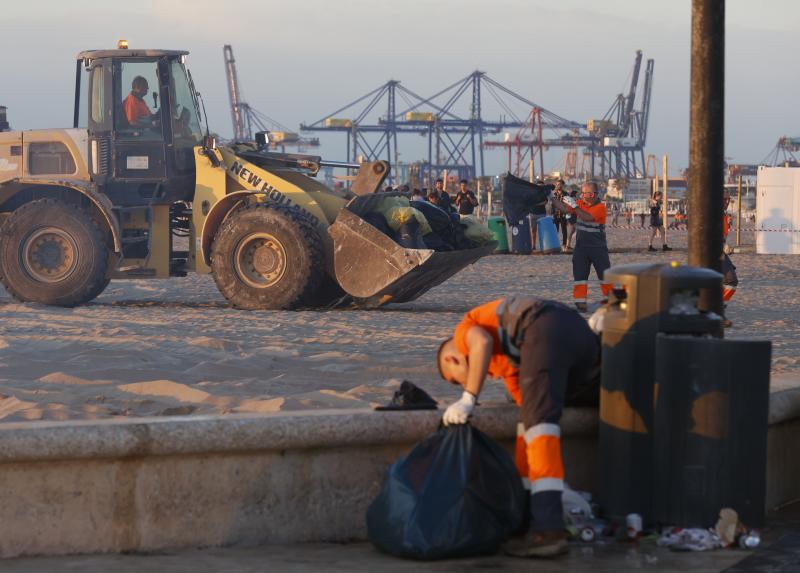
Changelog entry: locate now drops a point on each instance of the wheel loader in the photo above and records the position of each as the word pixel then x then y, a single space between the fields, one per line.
pixel 135 189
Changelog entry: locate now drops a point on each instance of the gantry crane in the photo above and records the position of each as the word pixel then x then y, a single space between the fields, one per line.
pixel 247 120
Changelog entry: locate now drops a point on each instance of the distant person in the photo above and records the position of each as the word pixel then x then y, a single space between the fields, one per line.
pixel 615 212
pixel 591 248
pixel 729 278
pixel 642 217
pixel 572 220
pixel 433 198
pixel 136 109
pixel 537 212
pixel 465 201
pixel 559 218
pixel 445 201
pixel 417 195
pixel 657 223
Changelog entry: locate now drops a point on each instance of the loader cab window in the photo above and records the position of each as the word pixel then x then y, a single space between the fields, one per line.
pixel 185 121
pixel 95 87
pixel 138 113
pixel 85 98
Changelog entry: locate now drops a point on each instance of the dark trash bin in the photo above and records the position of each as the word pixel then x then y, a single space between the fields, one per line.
pixel 710 429
pixel 646 299
pixel 521 236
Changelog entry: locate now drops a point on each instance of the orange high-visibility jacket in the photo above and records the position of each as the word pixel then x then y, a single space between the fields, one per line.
pixel 135 109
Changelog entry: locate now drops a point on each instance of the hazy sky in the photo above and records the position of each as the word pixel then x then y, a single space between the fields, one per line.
pixel 299 61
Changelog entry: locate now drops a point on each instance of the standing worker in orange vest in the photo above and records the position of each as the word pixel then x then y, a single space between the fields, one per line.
pixel 547 354
pixel 591 249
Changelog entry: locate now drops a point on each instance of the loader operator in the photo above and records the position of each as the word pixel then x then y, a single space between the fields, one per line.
pixel 591 249
pixel 547 354
pixel 136 110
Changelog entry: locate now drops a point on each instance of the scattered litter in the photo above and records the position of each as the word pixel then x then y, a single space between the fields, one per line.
pixel 728 526
pixel 633 525
pixel 690 539
pixel 750 540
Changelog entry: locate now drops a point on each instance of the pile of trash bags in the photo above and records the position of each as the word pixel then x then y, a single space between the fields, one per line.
pixel 423 225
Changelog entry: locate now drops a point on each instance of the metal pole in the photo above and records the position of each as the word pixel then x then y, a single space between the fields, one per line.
pixel 666 191
pixel 739 213
pixel 706 141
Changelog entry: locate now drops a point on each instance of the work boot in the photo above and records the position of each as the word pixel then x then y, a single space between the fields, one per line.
pixel 537 544
pixel 666 247
pixel 650 248
pixel 582 307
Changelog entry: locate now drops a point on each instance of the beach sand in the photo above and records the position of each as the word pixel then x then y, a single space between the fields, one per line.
pixel 174 347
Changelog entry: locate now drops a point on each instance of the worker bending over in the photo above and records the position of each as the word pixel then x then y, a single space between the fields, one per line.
pixel 591 249
pixel 546 353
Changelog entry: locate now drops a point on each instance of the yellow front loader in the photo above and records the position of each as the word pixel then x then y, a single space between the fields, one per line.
pixel 135 190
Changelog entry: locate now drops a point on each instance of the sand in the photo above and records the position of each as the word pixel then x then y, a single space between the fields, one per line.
pixel 174 347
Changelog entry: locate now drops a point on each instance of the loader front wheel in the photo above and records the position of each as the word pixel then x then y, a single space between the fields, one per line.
pixel 267 257
pixel 52 252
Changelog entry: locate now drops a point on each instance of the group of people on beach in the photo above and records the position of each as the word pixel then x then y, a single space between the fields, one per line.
pixel 464 202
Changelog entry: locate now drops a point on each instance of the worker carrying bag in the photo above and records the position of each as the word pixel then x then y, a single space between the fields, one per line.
pixel 456 494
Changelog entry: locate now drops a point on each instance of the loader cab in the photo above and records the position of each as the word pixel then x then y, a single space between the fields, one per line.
pixel 140 110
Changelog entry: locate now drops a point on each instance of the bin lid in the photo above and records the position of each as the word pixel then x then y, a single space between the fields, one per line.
pixel 666 271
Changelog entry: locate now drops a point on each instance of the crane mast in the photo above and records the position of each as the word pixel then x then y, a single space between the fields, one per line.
pixel 237 115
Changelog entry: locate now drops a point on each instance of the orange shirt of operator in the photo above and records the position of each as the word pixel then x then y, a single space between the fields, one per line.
pixel 135 109
pixel 134 106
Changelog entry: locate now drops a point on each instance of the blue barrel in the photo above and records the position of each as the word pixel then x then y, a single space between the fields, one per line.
pixel 521 237
pixel 547 236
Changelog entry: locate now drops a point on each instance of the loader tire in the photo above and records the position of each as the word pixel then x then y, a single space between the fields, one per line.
pixel 267 257
pixel 52 252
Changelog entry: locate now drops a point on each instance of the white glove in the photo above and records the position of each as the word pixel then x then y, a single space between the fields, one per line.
pixel 460 411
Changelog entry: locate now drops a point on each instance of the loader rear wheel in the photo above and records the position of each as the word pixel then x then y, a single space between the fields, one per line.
pixel 52 252
pixel 267 257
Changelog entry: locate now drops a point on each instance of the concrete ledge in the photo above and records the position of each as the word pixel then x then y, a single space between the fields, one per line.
pixel 150 484
pixel 169 436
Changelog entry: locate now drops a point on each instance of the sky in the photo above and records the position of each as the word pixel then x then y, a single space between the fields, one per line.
pixel 299 61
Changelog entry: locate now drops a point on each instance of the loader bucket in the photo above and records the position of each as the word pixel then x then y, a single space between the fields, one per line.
pixel 375 270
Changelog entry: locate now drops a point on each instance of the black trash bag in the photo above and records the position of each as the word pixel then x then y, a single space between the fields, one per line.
pixel 410 397
pixel 378 221
pixel 409 235
pixel 520 197
pixel 456 494
pixel 441 226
